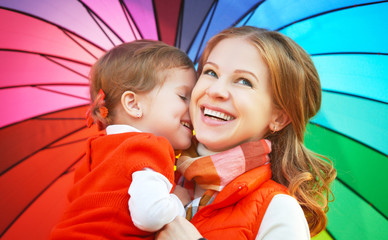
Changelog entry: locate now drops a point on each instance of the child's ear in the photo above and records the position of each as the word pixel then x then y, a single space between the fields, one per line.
pixel 130 103
pixel 279 121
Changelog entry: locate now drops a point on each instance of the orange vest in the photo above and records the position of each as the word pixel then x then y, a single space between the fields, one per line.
pixel 237 211
pixel 99 199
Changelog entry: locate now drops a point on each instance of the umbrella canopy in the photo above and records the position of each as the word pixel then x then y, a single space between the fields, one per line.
pixel 47 48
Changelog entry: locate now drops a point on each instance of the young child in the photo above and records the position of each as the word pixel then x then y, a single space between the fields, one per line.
pixel 140 93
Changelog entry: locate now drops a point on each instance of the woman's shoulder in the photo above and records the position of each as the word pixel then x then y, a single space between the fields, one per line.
pixel 287 203
pixel 284 217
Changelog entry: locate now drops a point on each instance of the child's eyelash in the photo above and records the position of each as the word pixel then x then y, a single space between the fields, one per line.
pixel 183 97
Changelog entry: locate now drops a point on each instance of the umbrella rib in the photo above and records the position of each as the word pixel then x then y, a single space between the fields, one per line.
pixel 344 53
pixel 51 23
pixel 207 28
pixel 350 53
pixel 41 117
pixel 93 15
pixel 64 118
pixel 350 188
pixel 37 196
pixel 199 28
pixel 67 143
pixel 363 198
pixel 46 84
pixel 329 232
pixel 250 11
pixel 355 140
pixel 178 38
pixel 62 93
pixel 45 55
pixel 79 44
pixel 156 19
pixel 40 86
pixel 330 11
pixel 66 67
pixel 106 35
pixel 126 11
pixel 353 95
pixel 178 26
pixel 44 147
pixel 249 18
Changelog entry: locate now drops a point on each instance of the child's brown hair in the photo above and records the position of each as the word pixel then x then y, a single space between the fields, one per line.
pixel 137 66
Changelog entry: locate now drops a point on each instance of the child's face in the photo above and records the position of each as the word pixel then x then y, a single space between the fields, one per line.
pixel 231 102
pixel 167 108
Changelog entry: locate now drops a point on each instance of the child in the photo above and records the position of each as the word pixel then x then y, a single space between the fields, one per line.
pixel 255 94
pixel 140 93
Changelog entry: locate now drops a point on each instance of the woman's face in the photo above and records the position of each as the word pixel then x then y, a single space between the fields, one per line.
pixel 231 102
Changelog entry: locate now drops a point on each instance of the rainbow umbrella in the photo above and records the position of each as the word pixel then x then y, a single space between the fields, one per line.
pixel 48 46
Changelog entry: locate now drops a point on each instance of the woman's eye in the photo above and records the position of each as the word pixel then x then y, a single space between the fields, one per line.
pixel 245 82
pixel 210 72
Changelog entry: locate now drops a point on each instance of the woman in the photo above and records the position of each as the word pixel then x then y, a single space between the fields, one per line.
pixel 254 85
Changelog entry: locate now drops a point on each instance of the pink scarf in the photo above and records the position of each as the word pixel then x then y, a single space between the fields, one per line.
pixel 214 172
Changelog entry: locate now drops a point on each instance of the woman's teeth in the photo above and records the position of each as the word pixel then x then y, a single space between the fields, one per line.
pixel 217 115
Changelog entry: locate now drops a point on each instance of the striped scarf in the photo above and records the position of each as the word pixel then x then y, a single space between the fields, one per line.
pixel 214 172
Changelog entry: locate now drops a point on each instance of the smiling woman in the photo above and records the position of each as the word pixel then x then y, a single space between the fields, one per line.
pixel 254 178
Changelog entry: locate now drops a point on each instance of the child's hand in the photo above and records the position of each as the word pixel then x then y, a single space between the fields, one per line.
pixel 180 229
pixel 182 194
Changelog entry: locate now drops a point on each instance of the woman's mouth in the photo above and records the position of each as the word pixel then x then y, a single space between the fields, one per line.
pixel 217 115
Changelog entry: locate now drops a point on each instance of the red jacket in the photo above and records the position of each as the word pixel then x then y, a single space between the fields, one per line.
pixel 99 199
pixel 237 211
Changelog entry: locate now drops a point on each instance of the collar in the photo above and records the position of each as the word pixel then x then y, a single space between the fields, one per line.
pixel 120 128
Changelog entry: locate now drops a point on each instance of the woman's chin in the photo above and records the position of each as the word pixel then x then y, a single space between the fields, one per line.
pixel 214 145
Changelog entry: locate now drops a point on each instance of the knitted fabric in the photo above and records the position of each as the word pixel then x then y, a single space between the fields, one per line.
pixel 214 172
pixel 99 199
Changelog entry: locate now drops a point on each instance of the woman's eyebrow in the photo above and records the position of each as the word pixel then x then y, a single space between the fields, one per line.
pixel 240 71
pixel 211 63
pixel 247 72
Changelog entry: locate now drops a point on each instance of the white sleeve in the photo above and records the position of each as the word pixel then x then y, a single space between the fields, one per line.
pixel 150 204
pixel 283 219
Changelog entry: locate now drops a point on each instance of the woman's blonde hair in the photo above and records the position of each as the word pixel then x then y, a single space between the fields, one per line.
pixel 297 91
pixel 138 66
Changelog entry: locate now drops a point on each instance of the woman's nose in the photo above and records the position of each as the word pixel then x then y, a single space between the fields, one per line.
pixel 218 89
